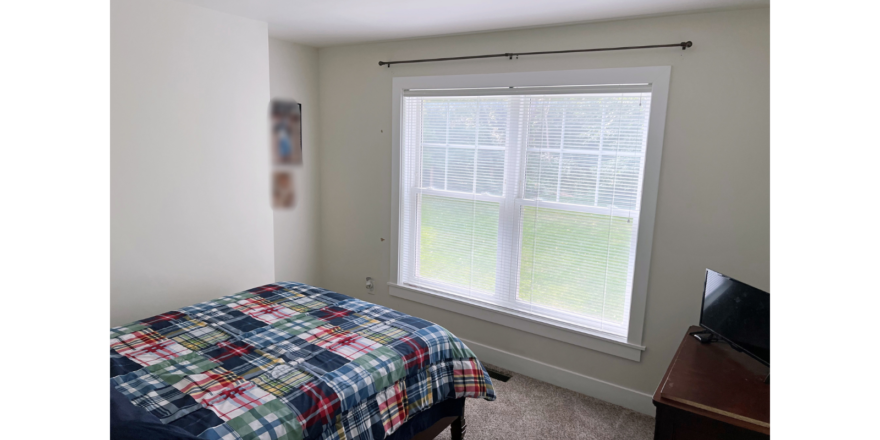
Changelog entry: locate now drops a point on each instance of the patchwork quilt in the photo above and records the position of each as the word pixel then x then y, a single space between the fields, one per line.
pixel 290 361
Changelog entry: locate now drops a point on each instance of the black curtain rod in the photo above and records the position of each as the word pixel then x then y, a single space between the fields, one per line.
pixel 683 45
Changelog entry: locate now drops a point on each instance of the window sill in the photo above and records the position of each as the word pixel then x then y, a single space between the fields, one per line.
pixel 536 325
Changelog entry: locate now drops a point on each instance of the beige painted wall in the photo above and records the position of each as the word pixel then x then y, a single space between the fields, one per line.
pixel 713 203
pixel 190 212
pixel 293 74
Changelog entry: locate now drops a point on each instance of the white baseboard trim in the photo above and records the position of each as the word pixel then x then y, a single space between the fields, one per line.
pixel 609 392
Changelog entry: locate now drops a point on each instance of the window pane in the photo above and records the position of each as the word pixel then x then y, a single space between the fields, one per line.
pixel 460 174
pixel 626 122
pixel 576 262
pixel 619 182
pixel 464 142
pixel 493 122
pixel 434 167
pixel 458 241
pixel 601 139
pixel 434 114
pixel 583 123
pixel 463 122
pixel 578 182
pixel 490 172
pixel 545 122
pixel 542 172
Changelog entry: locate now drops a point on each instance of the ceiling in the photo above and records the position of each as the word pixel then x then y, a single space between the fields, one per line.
pixel 332 22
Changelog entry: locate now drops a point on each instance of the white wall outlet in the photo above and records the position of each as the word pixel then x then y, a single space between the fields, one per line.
pixel 369 285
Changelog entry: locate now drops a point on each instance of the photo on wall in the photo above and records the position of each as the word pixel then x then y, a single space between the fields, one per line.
pixel 283 195
pixel 286 133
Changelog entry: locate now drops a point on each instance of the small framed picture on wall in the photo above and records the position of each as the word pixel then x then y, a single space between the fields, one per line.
pixel 283 195
pixel 287 133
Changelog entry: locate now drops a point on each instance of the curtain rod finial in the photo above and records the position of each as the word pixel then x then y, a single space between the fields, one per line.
pixel 686 44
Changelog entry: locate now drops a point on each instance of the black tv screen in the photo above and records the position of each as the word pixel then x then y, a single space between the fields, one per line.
pixel 737 313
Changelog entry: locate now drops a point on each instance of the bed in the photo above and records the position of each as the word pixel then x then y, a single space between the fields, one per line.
pixel 290 361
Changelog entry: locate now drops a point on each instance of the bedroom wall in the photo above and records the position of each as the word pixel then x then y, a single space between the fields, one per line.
pixel 190 209
pixel 713 203
pixel 293 74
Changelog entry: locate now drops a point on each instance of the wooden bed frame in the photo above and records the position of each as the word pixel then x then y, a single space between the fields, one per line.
pixel 459 428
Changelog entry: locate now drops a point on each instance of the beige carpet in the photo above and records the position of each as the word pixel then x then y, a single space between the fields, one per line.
pixel 527 408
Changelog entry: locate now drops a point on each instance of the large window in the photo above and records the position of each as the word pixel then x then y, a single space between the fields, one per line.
pixel 525 199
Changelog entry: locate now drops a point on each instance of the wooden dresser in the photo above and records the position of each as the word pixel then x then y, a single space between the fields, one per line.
pixel 711 391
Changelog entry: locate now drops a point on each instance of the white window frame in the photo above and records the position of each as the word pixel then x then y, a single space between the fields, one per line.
pixel 630 347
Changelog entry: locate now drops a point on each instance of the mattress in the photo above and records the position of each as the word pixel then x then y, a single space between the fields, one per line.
pixel 289 361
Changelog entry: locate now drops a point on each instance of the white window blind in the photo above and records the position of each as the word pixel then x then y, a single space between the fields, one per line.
pixel 526 199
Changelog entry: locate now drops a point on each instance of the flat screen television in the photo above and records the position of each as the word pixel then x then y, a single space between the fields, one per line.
pixel 737 313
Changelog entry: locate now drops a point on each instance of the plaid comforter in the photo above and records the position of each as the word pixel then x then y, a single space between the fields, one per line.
pixel 290 361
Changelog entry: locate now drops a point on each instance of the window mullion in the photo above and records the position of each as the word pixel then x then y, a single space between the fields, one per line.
pixel 505 277
pixel 519 155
